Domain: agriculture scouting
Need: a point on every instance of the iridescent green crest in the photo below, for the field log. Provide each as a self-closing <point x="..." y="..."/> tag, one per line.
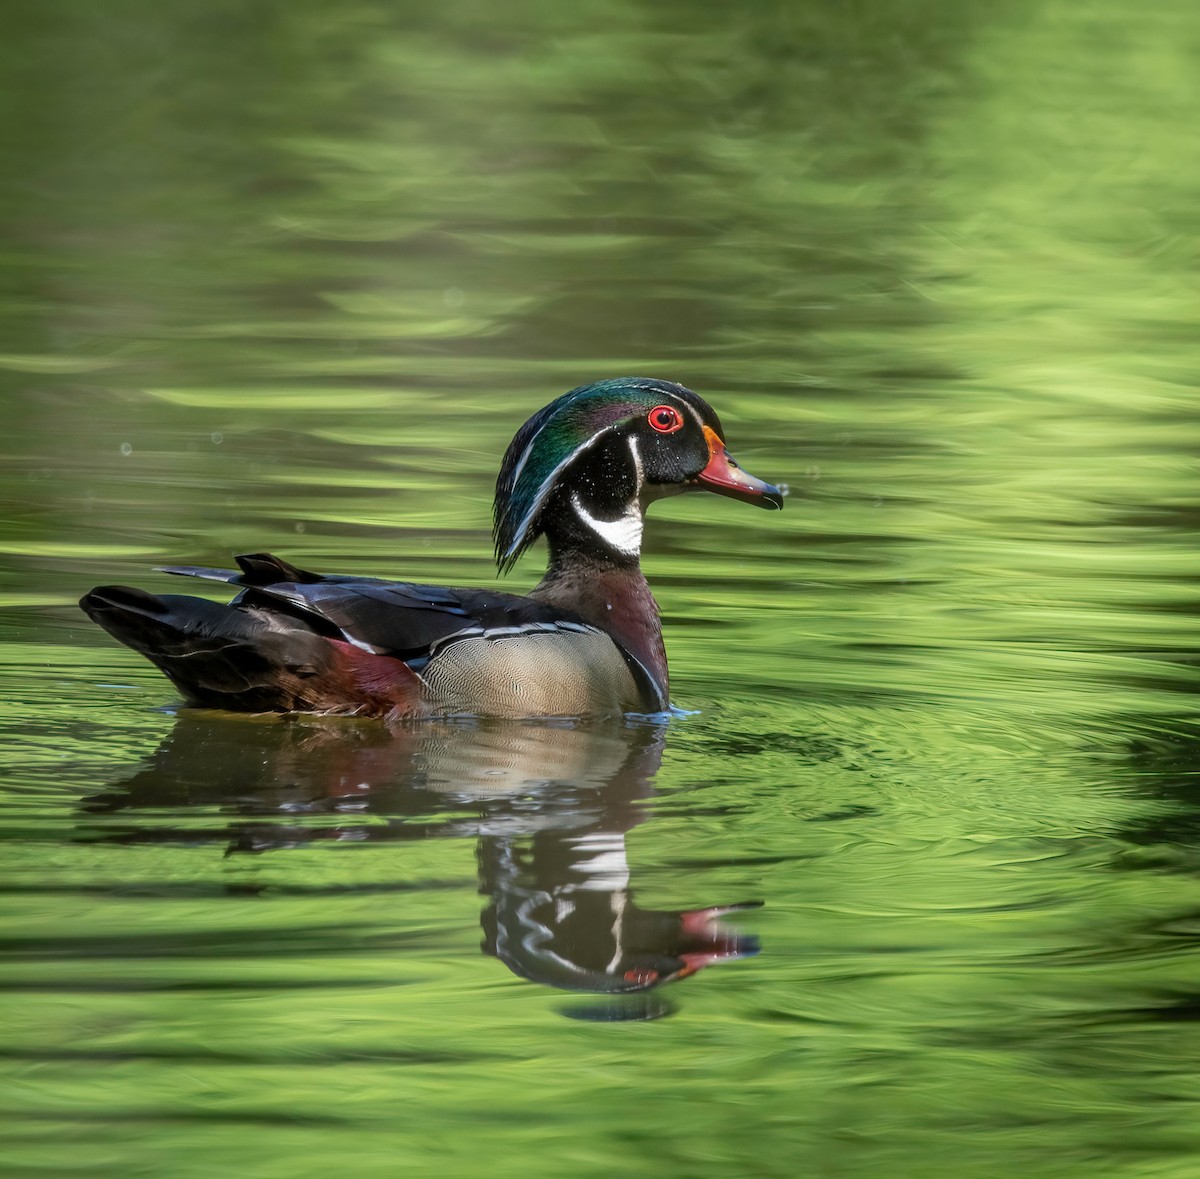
<point x="550" y="441"/>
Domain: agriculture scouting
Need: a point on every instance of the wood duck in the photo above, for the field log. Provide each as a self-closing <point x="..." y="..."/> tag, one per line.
<point x="586" y="641"/>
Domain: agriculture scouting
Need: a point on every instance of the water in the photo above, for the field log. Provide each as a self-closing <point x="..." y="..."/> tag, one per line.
<point x="289" y="276"/>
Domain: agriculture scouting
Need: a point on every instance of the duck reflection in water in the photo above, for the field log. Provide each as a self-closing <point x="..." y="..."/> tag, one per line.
<point x="549" y="805"/>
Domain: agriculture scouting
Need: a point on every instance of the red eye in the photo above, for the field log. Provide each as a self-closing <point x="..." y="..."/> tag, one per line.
<point x="665" y="419"/>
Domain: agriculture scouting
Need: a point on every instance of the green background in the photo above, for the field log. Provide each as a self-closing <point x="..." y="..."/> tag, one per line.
<point x="289" y="275"/>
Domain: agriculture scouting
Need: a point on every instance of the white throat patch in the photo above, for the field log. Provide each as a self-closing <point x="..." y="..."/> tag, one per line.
<point x="623" y="534"/>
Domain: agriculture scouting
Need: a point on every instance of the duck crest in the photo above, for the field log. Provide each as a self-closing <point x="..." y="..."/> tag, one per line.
<point x="550" y="441"/>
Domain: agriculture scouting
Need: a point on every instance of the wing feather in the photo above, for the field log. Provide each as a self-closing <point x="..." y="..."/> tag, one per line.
<point x="398" y="618"/>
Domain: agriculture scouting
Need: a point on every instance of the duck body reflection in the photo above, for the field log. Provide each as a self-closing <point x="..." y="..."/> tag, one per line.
<point x="548" y="804"/>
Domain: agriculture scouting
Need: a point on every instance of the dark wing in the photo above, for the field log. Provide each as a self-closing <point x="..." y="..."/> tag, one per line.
<point x="385" y="617"/>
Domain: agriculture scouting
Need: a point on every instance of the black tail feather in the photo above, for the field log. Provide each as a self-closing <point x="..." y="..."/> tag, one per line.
<point x="217" y="655"/>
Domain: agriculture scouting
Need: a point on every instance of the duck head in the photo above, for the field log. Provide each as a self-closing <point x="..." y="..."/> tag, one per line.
<point x="582" y="470"/>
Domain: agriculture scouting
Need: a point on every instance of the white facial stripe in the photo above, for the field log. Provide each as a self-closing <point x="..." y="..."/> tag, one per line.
<point x="636" y="450"/>
<point x="524" y="457"/>
<point x="533" y="442"/>
<point x="624" y="534"/>
<point x="548" y="483"/>
<point x="674" y="397"/>
<point x="695" y="413"/>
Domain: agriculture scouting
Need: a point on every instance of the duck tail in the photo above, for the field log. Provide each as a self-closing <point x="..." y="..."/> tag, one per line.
<point x="218" y="656"/>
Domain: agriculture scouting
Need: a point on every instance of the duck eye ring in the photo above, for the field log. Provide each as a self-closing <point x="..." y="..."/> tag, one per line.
<point x="666" y="419"/>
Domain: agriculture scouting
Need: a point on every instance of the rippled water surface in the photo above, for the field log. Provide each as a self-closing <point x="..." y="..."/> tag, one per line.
<point x="288" y="276"/>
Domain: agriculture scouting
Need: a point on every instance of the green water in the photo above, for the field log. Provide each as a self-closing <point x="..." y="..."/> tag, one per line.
<point x="288" y="276"/>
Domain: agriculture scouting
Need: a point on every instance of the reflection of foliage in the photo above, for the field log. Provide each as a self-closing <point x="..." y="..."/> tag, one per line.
<point x="625" y="178"/>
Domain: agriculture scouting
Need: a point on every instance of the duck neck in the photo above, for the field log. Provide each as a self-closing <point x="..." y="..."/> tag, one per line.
<point x="592" y="521"/>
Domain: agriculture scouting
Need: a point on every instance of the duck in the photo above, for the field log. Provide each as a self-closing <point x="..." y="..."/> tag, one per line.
<point x="585" y="642"/>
